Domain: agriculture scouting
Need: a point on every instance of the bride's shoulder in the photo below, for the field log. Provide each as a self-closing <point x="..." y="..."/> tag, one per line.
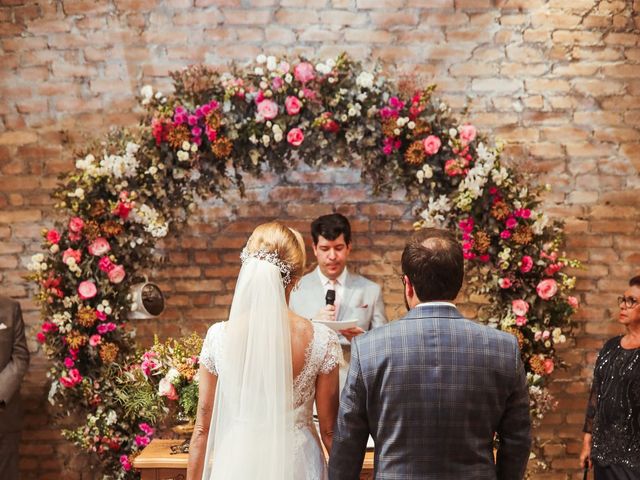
<point x="215" y="331"/>
<point x="324" y="334"/>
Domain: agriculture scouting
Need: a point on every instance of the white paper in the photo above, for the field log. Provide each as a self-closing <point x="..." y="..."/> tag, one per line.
<point x="347" y="324"/>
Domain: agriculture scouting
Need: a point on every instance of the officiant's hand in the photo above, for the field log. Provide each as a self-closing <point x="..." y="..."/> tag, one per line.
<point x="351" y="332"/>
<point x="327" y="314"/>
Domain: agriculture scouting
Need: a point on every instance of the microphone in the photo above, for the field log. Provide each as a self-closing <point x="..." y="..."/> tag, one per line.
<point x="330" y="297"/>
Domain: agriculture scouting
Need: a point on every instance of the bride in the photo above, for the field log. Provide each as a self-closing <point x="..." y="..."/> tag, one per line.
<point x="261" y="372"/>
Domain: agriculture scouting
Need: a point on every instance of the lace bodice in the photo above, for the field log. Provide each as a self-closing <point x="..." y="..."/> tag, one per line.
<point x="322" y="355"/>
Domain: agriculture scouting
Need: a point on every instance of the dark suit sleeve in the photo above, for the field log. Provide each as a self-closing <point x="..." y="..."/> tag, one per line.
<point x="514" y="431"/>
<point x="13" y="372"/>
<point x="352" y="427"/>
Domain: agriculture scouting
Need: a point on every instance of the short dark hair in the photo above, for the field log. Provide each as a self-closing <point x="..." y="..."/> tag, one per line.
<point x="331" y="227"/>
<point x="433" y="261"/>
<point x="635" y="281"/>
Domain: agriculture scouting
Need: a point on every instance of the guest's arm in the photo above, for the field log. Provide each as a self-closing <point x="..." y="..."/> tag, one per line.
<point x="514" y="430"/>
<point x="327" y="400"/>
<point x="352" y="427"/>
<point x="12" y="374"/>
<point x="198" y="445"/>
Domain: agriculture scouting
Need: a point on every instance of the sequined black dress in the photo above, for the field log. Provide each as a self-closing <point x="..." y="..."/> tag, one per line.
<point x="613" y="413"/>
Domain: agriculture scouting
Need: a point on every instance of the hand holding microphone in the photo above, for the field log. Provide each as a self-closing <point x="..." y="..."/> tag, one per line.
<point x="328" y="313"/>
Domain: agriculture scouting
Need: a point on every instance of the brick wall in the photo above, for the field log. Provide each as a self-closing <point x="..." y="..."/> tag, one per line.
<point x="558" y="80"/>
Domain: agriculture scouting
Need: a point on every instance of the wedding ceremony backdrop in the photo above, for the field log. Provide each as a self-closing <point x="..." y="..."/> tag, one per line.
<point x="528" y="94"/>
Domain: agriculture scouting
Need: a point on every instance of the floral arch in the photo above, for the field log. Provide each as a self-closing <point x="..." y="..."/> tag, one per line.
<point x="136" y="186"/>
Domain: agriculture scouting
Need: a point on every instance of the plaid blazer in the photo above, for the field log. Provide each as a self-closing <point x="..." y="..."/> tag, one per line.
<point x="432" y="389"/>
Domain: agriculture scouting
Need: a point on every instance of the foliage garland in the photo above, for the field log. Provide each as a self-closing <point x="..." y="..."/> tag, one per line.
<point x="134" y="187"/>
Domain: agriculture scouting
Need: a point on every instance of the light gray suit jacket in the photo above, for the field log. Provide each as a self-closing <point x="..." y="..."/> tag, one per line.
<point x="14" y="360"/>
<point x="362" y="301"/>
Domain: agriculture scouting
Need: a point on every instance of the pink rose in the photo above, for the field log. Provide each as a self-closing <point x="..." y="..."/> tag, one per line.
<point x="431" y="144"/>
<point x="68" y="362"/>
<point x="72" y="379"/>
<point x="293" y="105"/>
<point x="548" y="366"/>
<point x="116" y="274"/>
<point x="95" y="340"/>
<point x="573" y="302"/>
<point x="511" y="223"/>
<point x="87" y="290"/>
<point x="519" y="307"/>
<point x="505" y="283"/>
<point x="76" y="224"/>
<point x="268" y="109"/>
<point x="452" y="168"/>
<point x="53" y="236"/>
<point x="505" y="234"/>
<point x="467" y="134"/>
<point x="547" y="288"/>
<point x="41" y="337"/>
<point x="537" y="336"/>
<point x="166" y="389"/>
<point x="71" y="253"/>
<point x="105" y="264"/>
<point x="99" y="247"/>
<point x="277" y="83"/>
<point x="526" y="264"/>
<point x="295" y="137"/>
<point x="303" y="72"/>
<point x="521" y="321"/>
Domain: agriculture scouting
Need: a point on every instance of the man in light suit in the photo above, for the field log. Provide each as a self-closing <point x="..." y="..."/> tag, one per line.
<point x="14" y="360"/>
<point x="356" y="297"/>
<point x="433" y="388"/>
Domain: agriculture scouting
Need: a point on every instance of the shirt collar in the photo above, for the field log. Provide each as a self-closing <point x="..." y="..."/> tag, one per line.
<point x="435" y="304"/>
<point x="340" y="280"/>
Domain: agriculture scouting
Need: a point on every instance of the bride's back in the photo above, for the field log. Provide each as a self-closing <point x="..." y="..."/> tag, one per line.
<point x="301" y="337"/>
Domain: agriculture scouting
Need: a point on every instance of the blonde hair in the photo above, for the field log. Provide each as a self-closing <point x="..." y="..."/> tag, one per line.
<point x="286" y="242"/>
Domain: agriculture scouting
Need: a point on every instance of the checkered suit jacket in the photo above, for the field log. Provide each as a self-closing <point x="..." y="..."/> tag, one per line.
<point x="432" y="389"/>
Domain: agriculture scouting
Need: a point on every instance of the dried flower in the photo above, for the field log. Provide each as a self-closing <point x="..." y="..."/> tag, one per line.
<point x="178" y="135"/>
<point x="415" y="153"/>
<point x="108" y="352"/>
<point x="86" y="316"/>
<point x="523" y="235"/>
<point x="500" y="210"/>
<point x="111" y="228"/>
<point x="482" y="241"/>
<point x="76" y="339"/>
<point x="222" y="147"/>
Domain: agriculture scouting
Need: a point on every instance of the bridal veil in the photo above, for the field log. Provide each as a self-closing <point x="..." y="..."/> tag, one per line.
<point x="252" y="423"/>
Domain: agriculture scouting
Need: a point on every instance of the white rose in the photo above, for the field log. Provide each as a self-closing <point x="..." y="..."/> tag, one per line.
<point x="271" y="63"/>
<point x="261" y="59"/>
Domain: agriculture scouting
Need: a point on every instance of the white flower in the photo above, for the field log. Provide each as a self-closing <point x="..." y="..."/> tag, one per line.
<point x="352" y="112"/>
<point x="499" y="175"/>
<point x="260" y="59"/>
<point x="540" y="223"/>
<point x="364" y="80"/>
<point x="331" y="63"/>
<point x="253" y="139"/>
<point x="183" y="156"/>
<point x="258" y="71"/>
<point x="147" y="94"/>
<point x="428" y="171"/>
<point x="153" y="170"/>
<point x="271" y="63"/>
<point x="322" y="68"/>
<point x="411" y="125"/>
<point x="288" y="78"/>
<point x="186" y="145"/>
<point x="453" y="133"/>
<point x="172" y="375"/>
<point x="277" y="137"/>
<point x="112" y="417"/>
<point x="265" y="140"/>
<point x="420" y="176"/>
<point x="54" y="248"/>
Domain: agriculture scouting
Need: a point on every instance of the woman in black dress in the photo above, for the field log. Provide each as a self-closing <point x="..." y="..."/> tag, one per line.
<point x="611" y="442"/>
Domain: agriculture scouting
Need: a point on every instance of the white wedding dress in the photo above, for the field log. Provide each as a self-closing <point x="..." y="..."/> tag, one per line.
<point x="322" y="355"/>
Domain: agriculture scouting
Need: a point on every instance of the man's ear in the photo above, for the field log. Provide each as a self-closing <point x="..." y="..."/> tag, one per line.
<point x="408" y="288"/>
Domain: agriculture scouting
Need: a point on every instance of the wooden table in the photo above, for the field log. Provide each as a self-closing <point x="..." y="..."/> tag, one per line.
<point x="157" y="463"/>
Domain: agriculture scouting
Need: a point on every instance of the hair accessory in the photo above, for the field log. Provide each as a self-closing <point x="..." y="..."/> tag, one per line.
<point x="272" y="258"/>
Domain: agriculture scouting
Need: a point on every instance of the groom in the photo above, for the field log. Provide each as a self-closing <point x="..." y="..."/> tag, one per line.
<point x="433" y="388"/>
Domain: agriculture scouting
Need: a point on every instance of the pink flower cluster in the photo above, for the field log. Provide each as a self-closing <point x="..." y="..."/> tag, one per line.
<point x="72" y="378"/>
<point x="144" y="439"/>
<point x="466" y="225"/>
<point x="149" y="363"/>
<point x="195" y="121"/>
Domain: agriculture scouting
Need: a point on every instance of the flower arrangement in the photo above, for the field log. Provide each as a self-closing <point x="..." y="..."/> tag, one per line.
<point x="135" y="186"/>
